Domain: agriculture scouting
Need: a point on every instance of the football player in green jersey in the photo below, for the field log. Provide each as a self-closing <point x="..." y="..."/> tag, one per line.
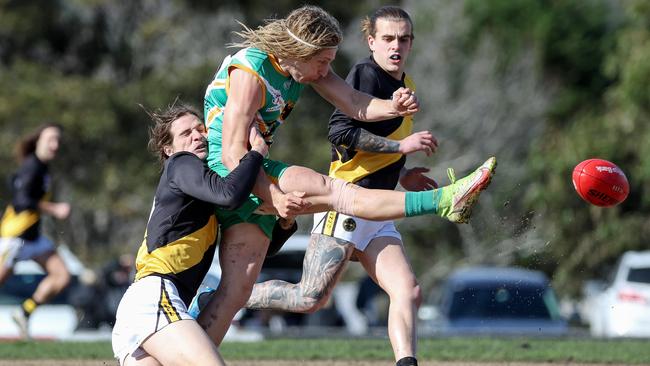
<point x="259" y="85"/>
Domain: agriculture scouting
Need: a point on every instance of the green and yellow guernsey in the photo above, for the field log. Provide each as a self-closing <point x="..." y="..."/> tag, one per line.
<point x="280" y="94"/>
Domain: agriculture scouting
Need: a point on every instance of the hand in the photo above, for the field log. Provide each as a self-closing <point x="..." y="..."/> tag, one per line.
<point x="405" y="102"/>
<point x="290" y="204"/>
<point x="414" y="180"/>
<point x="257" y="141"/>
<point x="419" y="141"/>
<point x="286" y="222"/>
<point x="61" y="210"/>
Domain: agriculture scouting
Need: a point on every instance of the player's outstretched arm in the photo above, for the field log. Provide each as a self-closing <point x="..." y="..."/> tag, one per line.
<point x="362" y="106"/>
<point x="350" y="136"/>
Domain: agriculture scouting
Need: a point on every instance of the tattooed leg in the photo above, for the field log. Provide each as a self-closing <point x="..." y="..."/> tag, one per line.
<point x="324" y="262"/>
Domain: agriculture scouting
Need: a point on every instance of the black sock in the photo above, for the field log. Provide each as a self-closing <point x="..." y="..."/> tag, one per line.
<point x="407" y="361"/>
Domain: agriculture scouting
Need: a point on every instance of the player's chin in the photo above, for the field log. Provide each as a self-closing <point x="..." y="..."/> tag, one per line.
<point x="201" y="153"/>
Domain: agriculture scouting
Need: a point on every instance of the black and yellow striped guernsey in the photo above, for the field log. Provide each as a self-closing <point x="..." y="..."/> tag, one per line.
<point x="29" y="185"/>
<point x="368" y="169"/>
<point x="181" y="234"/>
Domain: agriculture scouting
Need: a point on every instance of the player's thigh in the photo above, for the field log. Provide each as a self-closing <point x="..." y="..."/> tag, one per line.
<point x="386" y="262"/>
<point x="52" y="263"/>
<point x="5" y="273"/>
<point x="301" y="179"/>
<point x="241" y="253"/>
<point x="191" y="345"/>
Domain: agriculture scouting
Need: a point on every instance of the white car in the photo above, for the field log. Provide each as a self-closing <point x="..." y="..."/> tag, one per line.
<point x="623" y="308"/>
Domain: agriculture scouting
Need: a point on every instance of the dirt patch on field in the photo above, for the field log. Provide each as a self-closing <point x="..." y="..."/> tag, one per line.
<point x="288" y="363"/>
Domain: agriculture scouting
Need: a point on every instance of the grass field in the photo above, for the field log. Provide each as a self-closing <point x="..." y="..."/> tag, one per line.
<point x="484" y="350"/>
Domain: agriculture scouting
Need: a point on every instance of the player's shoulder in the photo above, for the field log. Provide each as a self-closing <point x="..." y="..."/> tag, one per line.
<point x="251" y="57"/>
<point x="182" y="156"/>
<point x="31" y="164"/>
<point x="366" y="65"/>
<point x="182" y="165"/>
<point x="181" y="162"/>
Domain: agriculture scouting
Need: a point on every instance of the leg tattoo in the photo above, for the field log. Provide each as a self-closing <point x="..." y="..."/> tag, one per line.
<point x="324" y="262"/>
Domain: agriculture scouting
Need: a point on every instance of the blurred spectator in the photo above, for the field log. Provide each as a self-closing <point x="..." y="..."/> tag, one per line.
<point x="118" y="274"/>
<point x="98" y="295"/>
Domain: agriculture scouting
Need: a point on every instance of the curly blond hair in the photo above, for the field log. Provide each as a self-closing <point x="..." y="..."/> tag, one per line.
<point x="300" y="35"/>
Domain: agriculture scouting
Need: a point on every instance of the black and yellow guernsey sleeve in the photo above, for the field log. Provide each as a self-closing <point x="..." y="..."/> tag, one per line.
<point x="190" y="175"/>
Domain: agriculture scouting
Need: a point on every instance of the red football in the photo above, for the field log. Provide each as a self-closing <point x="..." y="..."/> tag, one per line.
<point x="600" y="182"/>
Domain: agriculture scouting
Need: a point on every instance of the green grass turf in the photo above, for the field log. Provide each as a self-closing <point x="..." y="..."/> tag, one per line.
<point x="442" y="349"/>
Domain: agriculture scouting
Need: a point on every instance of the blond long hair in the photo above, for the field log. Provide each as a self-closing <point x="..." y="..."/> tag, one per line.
<point x="300" y="35"/>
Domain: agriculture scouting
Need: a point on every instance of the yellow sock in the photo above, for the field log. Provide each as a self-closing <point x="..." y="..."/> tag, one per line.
<point x="29" y="305"/>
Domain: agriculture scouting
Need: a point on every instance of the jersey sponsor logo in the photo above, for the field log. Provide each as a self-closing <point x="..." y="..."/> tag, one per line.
<point x="349" y="224"/>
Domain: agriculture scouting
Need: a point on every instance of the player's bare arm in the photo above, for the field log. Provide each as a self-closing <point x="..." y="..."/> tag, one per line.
<point x="373" y="143"/>
<point x="240" y="110"/>
<point x="59" y="210"/>
<point x="362" y="106"/>
<point x="323" y="264"/>
<point x="418" y="141"/>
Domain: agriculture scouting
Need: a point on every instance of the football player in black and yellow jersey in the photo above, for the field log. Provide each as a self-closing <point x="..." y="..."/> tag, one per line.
<point x="152" y="325"/>
<point x="21" y="238"/>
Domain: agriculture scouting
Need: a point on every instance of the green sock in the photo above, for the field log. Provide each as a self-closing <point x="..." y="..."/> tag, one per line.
<point x="422" y="203"/>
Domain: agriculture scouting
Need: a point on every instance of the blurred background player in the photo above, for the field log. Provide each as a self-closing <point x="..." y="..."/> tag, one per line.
<point x="20" y="231"/>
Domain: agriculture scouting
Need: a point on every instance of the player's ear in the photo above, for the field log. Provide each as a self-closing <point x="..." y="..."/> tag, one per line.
<point x="168" y="150"/>
<point x="371" y="43"/>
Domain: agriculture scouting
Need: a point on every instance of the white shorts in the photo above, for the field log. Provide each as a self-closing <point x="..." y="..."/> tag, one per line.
<point x="148" y="305"/>
<point x="13" y="250"/>
<point x="359" y="232"/>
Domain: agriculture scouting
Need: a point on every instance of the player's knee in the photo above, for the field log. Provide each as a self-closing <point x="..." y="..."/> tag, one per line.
<point x="61" y="279"/>
<point x="413" y="293"/>
<point x="342" y="196"/>
<point x="408" y="294"/>
<point x="315" y="301"/>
